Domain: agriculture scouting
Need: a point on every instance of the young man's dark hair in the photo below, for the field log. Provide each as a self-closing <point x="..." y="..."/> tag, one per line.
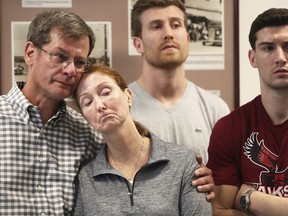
<point x="269" y="18"/>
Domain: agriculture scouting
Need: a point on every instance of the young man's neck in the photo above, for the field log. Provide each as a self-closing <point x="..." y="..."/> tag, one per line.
<point x="276" y="105"/>
<point x="167" y="86"/>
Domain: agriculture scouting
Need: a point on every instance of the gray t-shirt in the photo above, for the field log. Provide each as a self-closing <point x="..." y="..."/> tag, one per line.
<point x="189" y="122"/>
<point x="161" y="187"/>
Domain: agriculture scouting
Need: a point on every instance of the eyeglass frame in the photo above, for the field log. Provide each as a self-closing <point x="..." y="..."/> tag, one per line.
<point x="68" y="60"/>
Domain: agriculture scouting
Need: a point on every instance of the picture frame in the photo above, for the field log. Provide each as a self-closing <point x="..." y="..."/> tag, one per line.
<point x="236" y="54"/>
<point x="130" y="66"/>
<point x="206" y="30"/>
<point x="103" y="53"/>
<point x="246" y="82"/>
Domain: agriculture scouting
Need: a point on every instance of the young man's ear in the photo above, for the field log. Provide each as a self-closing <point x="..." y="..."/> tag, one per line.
<point x="252" y="59"/>
<point x="137" y="42"/>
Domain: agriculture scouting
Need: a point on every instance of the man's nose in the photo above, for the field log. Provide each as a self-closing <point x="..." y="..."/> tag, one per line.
<point x="69" y="69"/>
<point x="281" y="56"/>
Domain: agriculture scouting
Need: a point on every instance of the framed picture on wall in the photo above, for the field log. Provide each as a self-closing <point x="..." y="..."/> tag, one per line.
<point x="102" y="54"/>
<point x="19" y="67"/>
<point x="206" y="31"/>
<point x="248" y="78"/>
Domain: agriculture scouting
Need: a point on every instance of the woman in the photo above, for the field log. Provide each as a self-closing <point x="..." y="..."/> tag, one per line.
<point x="134" y="173"/>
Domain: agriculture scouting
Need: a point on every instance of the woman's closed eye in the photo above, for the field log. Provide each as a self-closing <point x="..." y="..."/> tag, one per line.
<point x="105" y="91"/>
<point x="86" y="102"/>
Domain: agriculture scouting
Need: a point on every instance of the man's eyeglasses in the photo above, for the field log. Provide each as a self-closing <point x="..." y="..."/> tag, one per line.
<point x="81" y="65"/>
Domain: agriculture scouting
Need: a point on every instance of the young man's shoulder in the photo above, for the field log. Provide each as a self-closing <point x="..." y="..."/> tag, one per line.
<point x="241" y="116"/>
<point x="172" y="150"/>
<point x="208" y="98"/>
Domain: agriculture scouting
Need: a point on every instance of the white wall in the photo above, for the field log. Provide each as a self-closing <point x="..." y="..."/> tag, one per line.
<point x="248" y="76"/>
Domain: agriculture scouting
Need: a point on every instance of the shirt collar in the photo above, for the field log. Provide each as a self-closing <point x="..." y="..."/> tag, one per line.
<point x="101" y="165"/>
<point x="22" y="106"/>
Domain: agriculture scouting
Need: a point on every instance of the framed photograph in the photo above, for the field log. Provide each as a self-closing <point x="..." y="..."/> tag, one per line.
<point x="102" y="54"/>
<point x="46" y="4"/>
<point x="19" y="34"/>
<point x="236" y="54"/>
<point x="206" y="30"/>
<point x="211" y="64"/>
<point x="248" y="78"/>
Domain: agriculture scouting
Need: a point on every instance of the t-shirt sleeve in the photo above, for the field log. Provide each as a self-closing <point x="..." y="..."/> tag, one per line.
<point x="223" y="153"/>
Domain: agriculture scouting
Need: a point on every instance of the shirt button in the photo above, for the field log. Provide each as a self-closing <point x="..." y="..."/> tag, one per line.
<point x="41" y="159"/>
<point x="40" y="188"/>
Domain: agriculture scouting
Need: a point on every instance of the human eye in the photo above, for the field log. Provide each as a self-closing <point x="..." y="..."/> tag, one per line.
<point x="80" y="63"/>
<point x="60" y="58"/>
<point x="267" y="47"/>
<point x="155" y="26"/>
<point x="176" y="24"/>
<point x="285" y="47"/>
<point x="105" y="91"/>
<point x="86" y="102"/>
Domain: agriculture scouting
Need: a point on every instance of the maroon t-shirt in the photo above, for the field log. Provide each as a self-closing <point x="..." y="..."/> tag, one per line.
<point x="245" y="147"/>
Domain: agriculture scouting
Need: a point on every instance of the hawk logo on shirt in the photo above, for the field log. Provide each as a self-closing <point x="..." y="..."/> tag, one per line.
<point x="260" y="155"/>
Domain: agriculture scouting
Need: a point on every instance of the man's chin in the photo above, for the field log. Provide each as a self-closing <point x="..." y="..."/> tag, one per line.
<point x="63" y="93"/>
<point x="169" y="63"/>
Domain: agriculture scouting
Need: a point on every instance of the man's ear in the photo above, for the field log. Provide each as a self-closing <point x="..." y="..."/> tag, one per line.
<point x="137" y="42"/>
<point x="252" y="58"/>
<point x="29" y="53"/>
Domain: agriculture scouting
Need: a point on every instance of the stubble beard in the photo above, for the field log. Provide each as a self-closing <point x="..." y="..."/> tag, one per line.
<point x="168" y="60"/>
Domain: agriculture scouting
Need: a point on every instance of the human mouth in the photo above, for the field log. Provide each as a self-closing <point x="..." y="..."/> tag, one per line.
<point x="281" y="70"/>
<point x="70" y="84"/>
<point x="169" y="46"/>
<point x="104" y="117"/>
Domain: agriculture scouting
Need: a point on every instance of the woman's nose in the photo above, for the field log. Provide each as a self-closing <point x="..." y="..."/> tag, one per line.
<point x="100" y="106"/>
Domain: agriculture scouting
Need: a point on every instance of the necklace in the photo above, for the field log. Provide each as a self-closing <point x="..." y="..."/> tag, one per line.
<point x="132" y="173"/>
